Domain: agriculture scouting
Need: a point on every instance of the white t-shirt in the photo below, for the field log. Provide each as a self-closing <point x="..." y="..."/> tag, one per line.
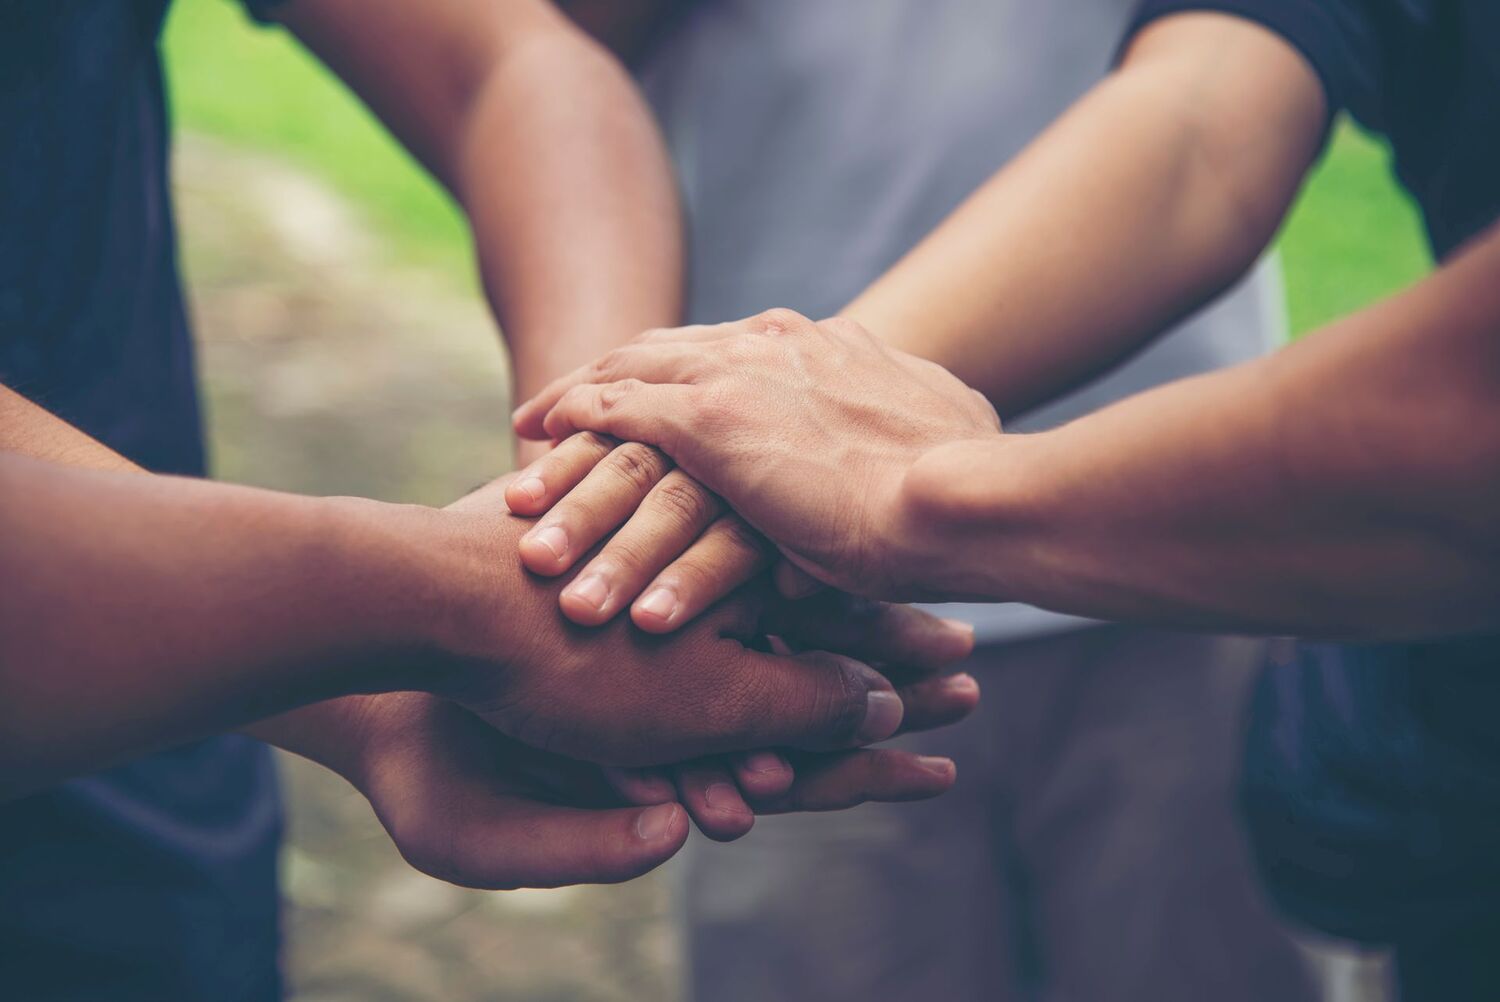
<point x="819" y="140"/>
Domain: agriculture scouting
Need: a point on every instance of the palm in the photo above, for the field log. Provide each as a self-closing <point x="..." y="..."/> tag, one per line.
<point x="467" y="804"/>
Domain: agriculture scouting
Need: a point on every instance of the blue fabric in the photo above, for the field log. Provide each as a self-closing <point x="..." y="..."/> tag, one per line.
<point x="156" y="880"/>
<point x="1372" y="774"/>
<point x="1372" y="786"/>
<point x="1426" y="73"/>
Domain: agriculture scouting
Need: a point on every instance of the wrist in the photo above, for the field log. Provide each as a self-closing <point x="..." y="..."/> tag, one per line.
<point x="975" y="506"/>
<point x="400" y="585"/>
<point x="474" y="622"/>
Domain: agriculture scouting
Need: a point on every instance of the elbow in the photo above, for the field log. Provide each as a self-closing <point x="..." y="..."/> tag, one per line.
<point x="1240" y="207"/>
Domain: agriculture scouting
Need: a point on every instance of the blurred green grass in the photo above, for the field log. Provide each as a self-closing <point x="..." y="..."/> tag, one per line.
<point x="234" y="80"/>
<point x="1352" y="237"/>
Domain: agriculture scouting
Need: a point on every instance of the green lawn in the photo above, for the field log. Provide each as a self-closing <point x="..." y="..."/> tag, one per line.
<point x="1352" y="237"/>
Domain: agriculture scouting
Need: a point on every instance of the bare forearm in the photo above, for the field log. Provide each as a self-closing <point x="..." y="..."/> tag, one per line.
<point x="328" y="731"/>
<point x="541" y="136"/>
<point x="1345" y="487"/>
<point x="1149" y="197"/>
<point x="142" y="611"/>
<point x="574" y="209"/>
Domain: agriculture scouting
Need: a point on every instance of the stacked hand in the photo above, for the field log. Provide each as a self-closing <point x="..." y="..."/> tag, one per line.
<point x="550" y="752"/>
<point x="620" y="697"/>
<point x="521" y="762"/>
<point x="469" y="805"/>
<point x="810" y="432"/>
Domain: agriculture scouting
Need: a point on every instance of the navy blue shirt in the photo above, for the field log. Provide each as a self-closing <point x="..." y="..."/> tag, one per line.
<point x="156" y="880"/>
<point x="1372" y="775"/>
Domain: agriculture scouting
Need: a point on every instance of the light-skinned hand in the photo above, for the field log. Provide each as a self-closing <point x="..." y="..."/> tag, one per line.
<point x="807" y="430"/>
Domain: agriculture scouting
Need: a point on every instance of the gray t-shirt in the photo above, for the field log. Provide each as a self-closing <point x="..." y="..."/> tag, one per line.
<point x="819" y="140"/>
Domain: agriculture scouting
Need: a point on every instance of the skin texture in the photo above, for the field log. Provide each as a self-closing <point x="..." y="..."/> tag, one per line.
<point x="539" y="134"/>
<point x="855" y="415"/>
<point x="1194" y="102"/>
<point x="257" y="602"/>
<point x="470" y="806"/>
<point x="656" y="513"/>
<point x="1286" y="496"/>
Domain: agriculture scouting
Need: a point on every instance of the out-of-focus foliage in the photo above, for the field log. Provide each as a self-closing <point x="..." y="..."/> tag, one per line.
<point x="1353" y="237"/>
<point x="234" y="80"/>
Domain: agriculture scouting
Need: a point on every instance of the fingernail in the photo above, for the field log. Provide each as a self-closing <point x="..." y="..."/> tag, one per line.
<point x="591" y="588"/>
<point x="555" y="539"/>
<point x="533" y="488"/>
<point x="959" y="626"/>
<point x="961" y="683"/>
<point x="659" y="602"/>
<point x="936" y="764"/>
<point x="722" y="797"/>
<point x="764" y="761"/>
<point x="883" y="711"/>
<point x="653" y="823"/>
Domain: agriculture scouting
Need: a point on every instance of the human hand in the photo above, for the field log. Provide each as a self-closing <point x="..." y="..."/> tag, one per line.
<point x="807" y="430"/>
<point x="619" y="697"/>
<point x="725" y="793"/>
<point x="670" y="547"/>
<point x="466" y="804"/>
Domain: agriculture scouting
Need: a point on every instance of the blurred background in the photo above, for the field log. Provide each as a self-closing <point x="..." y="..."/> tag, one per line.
<point x="345" y="348"/>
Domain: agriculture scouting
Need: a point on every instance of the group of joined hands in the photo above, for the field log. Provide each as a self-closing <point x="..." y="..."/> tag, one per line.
<point x="756" y="660"/>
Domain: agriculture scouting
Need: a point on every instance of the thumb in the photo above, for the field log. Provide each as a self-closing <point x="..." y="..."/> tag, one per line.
<point x="814" y="701"/>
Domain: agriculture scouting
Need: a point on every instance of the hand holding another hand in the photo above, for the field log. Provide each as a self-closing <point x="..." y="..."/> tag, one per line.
<point x="807" y="430"/>
<point x="466" y="804"/>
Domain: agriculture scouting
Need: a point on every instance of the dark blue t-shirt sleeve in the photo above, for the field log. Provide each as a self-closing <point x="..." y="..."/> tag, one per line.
<point x="262" y="10"/>
<point x="1340" y="39"/>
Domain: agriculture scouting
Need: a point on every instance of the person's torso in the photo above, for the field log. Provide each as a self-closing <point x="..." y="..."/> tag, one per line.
<point x="156" y="879"/>
<point x="91" y="317"/>
<point x="819" y="140"/>
<point x="1372" y="776"/>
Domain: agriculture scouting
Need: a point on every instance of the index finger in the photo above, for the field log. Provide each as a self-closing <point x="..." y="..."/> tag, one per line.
<point x="660" y="360"/>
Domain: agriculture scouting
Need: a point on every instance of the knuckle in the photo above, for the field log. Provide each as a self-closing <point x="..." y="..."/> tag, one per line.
<point x="638" y="466"/>
<point x="779" y="320"/>
<point x="594" y="442"/>
<point x="737" y="535"/>
<point x="614" y="394"/>
<point x="844" y="327"/>
<point x="840" y="697"/>
<point x="683" y="500"/>
<point x="599" y="369"/>
<point x="576" y="399"/>
<point x="715" y="408"/>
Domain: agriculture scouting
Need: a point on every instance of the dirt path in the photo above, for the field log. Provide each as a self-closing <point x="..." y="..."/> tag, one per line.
<point x="327" y="370"/>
